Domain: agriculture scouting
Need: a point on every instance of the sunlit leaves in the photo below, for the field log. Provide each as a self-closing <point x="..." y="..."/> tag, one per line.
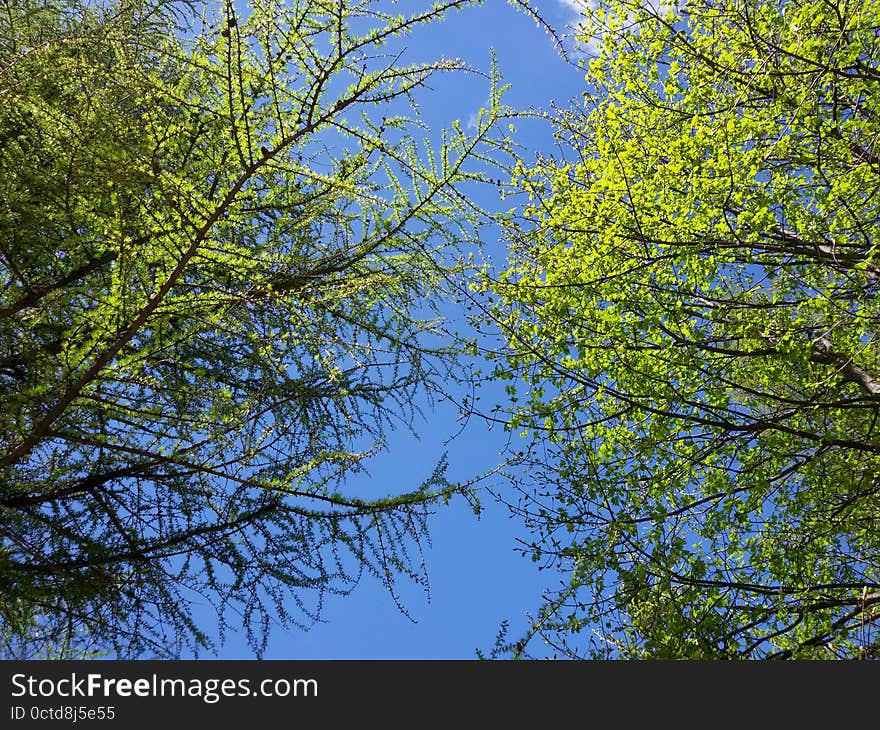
<point x="693" y="303"/>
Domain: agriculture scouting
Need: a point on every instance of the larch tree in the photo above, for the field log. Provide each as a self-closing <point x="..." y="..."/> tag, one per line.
<point x="222" y="247"/>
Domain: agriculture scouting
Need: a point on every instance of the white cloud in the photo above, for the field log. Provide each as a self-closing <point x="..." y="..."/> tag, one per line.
<point x="577" y="5"/>
<point x="576" y="11"/>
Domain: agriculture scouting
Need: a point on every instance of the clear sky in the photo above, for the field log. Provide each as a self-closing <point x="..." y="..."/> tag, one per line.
<point x="477" y="579"/>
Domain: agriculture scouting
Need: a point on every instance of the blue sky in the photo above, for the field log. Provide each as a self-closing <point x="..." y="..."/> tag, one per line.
<point x="477" y="579"/>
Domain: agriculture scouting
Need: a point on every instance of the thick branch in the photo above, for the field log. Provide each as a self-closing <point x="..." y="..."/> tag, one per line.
<point x="824" y="354"/>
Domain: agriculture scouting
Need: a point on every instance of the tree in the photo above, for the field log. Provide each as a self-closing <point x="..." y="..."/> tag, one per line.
<point x="691" y="312"/>
<point x="27" y="635"/>
<point x="222" y="248"/>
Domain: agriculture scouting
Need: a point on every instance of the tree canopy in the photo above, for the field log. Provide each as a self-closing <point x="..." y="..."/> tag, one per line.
<point x="221" y="247"/>
<point x="691" y="312"/>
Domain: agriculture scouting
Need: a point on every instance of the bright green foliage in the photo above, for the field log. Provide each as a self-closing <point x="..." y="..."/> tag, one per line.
<point x="216" y="229"/>
<point x="692" y="309"/>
